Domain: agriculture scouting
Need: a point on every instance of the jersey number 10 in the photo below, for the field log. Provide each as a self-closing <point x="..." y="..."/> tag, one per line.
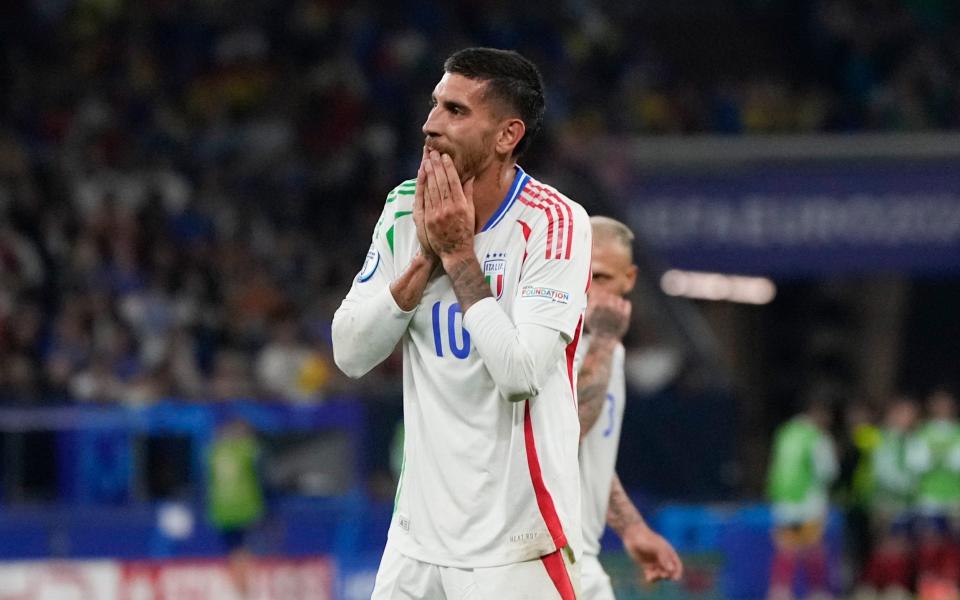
<point x="462" y="349"/>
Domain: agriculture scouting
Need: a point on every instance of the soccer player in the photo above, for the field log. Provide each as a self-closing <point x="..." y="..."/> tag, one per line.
<point x="602" y="393"/>
<point x="480" y="272"/>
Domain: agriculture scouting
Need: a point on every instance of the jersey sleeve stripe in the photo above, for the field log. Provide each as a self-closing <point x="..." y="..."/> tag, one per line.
<point x="547" y="201"/>
<point x="550" y="221"/>
<point x="560" y="223"/>
<point x="559" y="200"/>
<point x="544" y="500"/>
<point x="542" y="194"/>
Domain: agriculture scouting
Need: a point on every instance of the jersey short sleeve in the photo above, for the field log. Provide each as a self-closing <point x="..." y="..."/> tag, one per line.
<point x="554" y="277"/>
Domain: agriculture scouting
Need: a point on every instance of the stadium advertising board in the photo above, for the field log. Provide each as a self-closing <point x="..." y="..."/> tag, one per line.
<point x="269" y="579"/>
<point x="54" y="580"/>
<point x="806" y="218"/>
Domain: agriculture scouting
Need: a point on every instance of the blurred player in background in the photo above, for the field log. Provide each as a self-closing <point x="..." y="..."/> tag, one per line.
<point x="601" y="390"/>
<point x="481" y="271"/>
<point x="802" y="467"/>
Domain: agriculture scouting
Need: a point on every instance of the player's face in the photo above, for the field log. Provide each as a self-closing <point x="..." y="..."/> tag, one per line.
<point x="613" y="272"/>
<point x="462" y="124"/>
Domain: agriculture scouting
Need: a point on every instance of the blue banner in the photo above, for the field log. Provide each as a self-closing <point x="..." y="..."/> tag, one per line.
<point x="805" y="218"/>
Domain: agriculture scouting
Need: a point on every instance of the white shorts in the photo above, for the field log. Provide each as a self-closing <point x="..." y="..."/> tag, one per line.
<point x="594" y="581"/>
<point x="550" y="577"/>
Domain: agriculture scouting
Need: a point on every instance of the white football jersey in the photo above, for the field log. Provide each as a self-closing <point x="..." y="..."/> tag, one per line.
<point x="486" y="481"/>
<point x="598" y="452"/>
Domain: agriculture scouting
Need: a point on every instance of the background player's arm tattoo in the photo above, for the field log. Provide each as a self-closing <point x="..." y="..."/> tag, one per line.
<point x="594" y="379"/>
<point x="468" y="282"/>
<point x="621" y="513"/>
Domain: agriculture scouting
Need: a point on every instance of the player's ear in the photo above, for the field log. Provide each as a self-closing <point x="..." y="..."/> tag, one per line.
<point x="631" y="278"/>
<point x="510" y="134"/>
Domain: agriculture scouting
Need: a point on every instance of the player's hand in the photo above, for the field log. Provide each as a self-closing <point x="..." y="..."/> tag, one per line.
<point x="448" y="208"/>
<point x="419" y="211"/>
<point x="655" y="556"/>
<point x="607" y="314"/>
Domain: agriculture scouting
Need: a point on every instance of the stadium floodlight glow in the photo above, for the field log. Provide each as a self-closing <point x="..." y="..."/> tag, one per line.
<point x="718" y="287"/>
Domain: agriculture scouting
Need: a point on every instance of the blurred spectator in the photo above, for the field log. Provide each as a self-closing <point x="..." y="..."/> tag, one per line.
<point x="287" y="368"/>
<point x="231" y="376"/>
<point x="802" y="466"/>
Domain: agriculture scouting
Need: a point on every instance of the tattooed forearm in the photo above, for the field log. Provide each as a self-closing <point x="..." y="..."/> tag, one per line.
<point x="468" y="282"/>
<point x="408" y="289"/>
<point x="621" y="513"/>
<point x="593" y="380"/>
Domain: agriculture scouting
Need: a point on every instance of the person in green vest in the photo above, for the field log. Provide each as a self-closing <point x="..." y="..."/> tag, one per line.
<point x="803" y="464"/>
<point x="894" y="483"/>
<point x="889" y="569"/>
<point x="235" y="499"/>
<point x="934" y="456"/>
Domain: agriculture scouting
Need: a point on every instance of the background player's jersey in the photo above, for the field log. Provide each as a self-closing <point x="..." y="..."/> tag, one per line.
<point x="486" y="481"/>
<point x="598" y="452"/>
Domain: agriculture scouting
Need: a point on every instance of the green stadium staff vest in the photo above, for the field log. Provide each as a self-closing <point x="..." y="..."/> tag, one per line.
<point x="792" y="476"/>
<point x="941" y="483"/>
<point x="893" y="450"/>
<point x="235" y="496"/>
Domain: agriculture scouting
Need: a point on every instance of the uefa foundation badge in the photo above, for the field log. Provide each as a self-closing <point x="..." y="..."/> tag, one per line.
<point x="494" y="269"/>
<point x="369" y="265"/>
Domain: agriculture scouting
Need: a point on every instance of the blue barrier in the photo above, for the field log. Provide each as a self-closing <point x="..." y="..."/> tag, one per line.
<point x="342" y="527"/>
<point x="95" y="446"/>
<point x="99" y="507"/>
<point x="740" y="537"/>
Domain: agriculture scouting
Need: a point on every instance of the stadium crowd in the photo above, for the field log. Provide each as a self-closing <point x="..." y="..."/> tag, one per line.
<point x="185" y="187"/>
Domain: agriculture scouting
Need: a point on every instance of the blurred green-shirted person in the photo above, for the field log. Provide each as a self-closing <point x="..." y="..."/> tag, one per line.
<point x="235" y="501"/>
<point x="889" y="570"/>
<point x="935" y="457"/>
<point x="802" y="466"/>
<point x="894" y="483"/>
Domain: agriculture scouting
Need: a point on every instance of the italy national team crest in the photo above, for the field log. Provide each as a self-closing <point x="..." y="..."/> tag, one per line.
<point x="494" y="269"/>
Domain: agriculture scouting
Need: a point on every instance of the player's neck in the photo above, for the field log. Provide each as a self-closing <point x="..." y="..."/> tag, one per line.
<point x="489" y="189"/>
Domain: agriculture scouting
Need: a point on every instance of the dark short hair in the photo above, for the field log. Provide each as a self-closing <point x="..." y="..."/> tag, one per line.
<point x="510" y="78"/>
